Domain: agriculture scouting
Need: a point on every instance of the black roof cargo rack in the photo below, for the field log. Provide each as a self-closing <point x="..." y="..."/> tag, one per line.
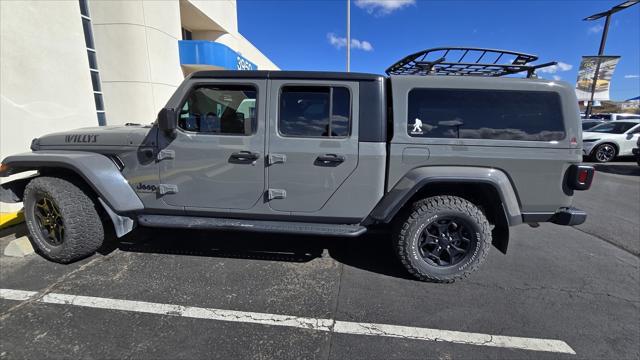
<point x="464" y="61"/>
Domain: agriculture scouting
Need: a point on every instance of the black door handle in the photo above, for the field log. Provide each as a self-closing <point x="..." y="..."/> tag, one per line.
<point x="243" y="157"/>
<point x="329" y="160"/>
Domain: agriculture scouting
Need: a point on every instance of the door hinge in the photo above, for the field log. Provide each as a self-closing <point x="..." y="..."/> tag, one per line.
<point x="166" y="154"/>
<point x="276" y="158"/>
<point x="276" y="194"/>
<point x="164" y="189"/>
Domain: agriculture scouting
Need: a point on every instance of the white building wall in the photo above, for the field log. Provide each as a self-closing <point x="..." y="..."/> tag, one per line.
<point x="45" y="84"/>
<point x="223" y="12"/>
<point x="137" y="50"/>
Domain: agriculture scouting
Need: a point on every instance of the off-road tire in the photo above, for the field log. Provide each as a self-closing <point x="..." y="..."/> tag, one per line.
<point x="414" y="220"/>
<point x="83" y="229"/>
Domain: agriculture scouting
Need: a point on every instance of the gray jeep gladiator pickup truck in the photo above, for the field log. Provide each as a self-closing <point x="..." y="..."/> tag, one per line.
<point x="447" y="155"/>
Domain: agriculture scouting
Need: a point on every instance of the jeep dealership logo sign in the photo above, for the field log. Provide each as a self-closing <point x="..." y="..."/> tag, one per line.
<point x="244" y="64"/>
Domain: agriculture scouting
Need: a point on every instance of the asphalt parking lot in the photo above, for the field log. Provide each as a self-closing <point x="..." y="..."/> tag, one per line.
<point x="189" y="294"/>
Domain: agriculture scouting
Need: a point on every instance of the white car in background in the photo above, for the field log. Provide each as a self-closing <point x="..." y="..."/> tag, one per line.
<point x="602" y="143"/>
<point x="615" y="116"/>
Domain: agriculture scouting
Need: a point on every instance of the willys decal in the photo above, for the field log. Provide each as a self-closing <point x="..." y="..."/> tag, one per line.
<point x="79" y="138"/>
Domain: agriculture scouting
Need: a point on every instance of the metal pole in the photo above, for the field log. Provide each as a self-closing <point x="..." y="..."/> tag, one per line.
<point x="348" y="35"/>
<point x="603" y="41"/>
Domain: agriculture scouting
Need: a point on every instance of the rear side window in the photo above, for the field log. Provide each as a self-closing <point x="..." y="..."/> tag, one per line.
<point x="485" y="114"/>
<point x="220" y="110"/>
<point x="315" y="111"/>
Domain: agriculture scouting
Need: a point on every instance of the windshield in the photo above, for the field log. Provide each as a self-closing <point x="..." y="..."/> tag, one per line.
<point x="586" y="125"/>
<point x="613" y="128"/>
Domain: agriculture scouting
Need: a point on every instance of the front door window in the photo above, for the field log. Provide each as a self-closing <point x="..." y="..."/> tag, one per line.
<point x="222" y="110"/>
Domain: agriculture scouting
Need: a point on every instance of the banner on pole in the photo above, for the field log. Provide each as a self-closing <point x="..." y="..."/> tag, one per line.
<point x="586" y="73"/>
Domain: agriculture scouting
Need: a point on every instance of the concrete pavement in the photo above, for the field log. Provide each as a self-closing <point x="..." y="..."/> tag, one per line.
<point x="613" y="205"/>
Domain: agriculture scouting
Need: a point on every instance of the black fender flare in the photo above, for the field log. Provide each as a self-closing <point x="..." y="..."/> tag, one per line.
<point x="415" y="180"/>
<point x="97" y="170"/>
<point x="418" y="178"/>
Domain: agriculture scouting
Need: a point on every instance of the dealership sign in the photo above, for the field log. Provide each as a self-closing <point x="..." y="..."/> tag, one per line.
<point x="586" y="73"/>
<point x="205" y="52"/>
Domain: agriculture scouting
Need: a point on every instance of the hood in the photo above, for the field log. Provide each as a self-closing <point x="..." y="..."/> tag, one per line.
<point x="125" y="135"/>
<point x="588" y="135"/>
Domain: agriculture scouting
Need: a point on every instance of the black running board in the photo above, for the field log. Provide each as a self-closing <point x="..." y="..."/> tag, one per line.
<point x="190" y="222"/>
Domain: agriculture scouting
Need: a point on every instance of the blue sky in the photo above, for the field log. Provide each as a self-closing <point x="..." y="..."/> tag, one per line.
<point x="309" y="35"/>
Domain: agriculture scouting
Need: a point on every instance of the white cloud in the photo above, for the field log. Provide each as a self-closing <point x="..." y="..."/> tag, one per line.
<point x="632" y="76"/>
<point x="595" y="29"/>
<point x="556" y="78"/>
<point x="362" y="45"/>
<point x="383" y="7"/>
<point x="340" y="42"/>
<point x="556" y="68"/>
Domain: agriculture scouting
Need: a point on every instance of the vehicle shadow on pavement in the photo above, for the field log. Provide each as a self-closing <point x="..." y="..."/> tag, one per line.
<point x="618" y="169"/>
<point x="370" y="252"/>
<point x="13" y="232"/>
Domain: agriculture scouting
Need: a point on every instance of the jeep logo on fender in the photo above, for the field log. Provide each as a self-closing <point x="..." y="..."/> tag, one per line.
<point x="146" y="188"/>
<point x="78" y="138"/>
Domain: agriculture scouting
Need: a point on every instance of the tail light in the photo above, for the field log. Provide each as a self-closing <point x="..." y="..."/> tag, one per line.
<point x="580" y="177"/>
<point x="573" y="141"/>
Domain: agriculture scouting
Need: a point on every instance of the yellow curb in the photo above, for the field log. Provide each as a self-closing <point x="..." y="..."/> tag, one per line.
<point x="11" y="218"/>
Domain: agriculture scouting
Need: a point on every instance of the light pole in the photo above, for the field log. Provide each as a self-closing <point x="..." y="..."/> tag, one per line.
<point x="603" y="41"/>
<point x="348" y="35"/>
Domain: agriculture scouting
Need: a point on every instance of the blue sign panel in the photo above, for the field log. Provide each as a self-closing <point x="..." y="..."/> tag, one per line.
<point x="205" y="52"/>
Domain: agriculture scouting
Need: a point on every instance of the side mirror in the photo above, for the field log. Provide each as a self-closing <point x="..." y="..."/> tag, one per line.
<point x="168" y="120"/>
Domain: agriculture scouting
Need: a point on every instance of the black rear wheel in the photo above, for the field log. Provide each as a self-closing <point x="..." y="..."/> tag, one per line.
<point x="442" y="238"/>
<point x="62" y="219"/>
<point x="446" y="241"/>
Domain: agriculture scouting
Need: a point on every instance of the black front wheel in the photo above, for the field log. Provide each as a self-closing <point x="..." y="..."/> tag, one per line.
<point x="62" y="219"/>
<point x="604" y="153"/>
<point x="442" y="238"/>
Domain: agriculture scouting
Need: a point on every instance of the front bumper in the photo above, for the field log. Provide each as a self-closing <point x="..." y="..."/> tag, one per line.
<point x="587" y="147"/>
<point x="569" y="216"/>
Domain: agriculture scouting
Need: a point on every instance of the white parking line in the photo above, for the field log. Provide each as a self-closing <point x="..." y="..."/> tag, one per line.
<point x="19" y="295"/>
<point x="336" y="326"/>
